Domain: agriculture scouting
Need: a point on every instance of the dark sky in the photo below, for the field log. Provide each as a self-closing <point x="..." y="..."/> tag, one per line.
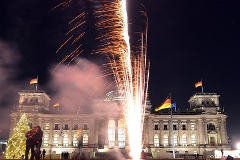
<point x="187" y="41"/>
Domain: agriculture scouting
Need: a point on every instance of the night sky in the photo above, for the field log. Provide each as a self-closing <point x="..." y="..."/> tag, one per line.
<point x="187" y="41"/>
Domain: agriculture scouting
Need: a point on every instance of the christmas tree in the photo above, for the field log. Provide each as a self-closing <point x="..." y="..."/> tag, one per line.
<point x="16" y="145"/>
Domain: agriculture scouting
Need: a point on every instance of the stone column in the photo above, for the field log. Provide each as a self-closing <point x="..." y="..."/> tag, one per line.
<point x="218" y="129"/>
<point x="179" y="131"/>
<point x="105" y="131"/>
<point x="189" y="132"/>
<point x="61" y="128"/>
<point x="223" y="131"/>
<point x="146" y="132"/>
<point x="71" y="133"/>
<point x="96" y="130"/>
<point x="51" y="121"/>
<point x="160" y="132"/>
<point x="205" y="136"/>
<point x="200" y="132"/>
<point x="116" y="134"/>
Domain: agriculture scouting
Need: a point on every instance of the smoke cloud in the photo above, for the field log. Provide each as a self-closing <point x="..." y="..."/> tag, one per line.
<point x="78" y="86"/>
<point x="9" y="58"/>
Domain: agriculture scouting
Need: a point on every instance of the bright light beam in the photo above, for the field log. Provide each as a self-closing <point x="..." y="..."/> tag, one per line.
<point x="131" y="70"/>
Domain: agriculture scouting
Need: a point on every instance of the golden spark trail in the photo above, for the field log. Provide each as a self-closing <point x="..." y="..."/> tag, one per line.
<point x="78" y="21"/>
<point x="129" y="69"/>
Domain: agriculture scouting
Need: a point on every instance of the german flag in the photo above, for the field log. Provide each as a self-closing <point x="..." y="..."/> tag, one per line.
<point x="34" y="81"/>
<point x="56" y="105"/>
<point x="166" y="104"/>
<point x="198" y="84"/>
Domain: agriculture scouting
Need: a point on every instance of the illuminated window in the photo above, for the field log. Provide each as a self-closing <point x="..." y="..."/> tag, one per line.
<point x="193" y="140"/>
<point x="55" y="140"/>
<point x="65" y="140"/>
<point x="175" y="140"/>
<point x="184" y="140"/>
<point x="46" y="126"/>
<point x="156" y="140"/>
<point x="193" y="127"/>
<point x="85" y="139"/>
<point x="45" y="140"/>
<point x="121" y="134"/>
<point x="111" y="133"/>
<point x="165" y="140"/>
<point x="75" y="140"/>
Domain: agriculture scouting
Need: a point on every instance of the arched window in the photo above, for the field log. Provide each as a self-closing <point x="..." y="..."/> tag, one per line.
<point x="165" y="140"/>
<point x="156" y="140"/>
<point x="211" y="127"/>
<point x="45" y="140"/>
<point x="55" y="140"/>
<point x="175" y="140"/>
<point x="121" y="134"/>
<point x="85" y="126"/>
<point x="193" y="139"/>
<point x="65" y="140"/>
<point x="75" y="140"/>
<point x="184" y="140"/>
<point x="111" y="133"/>
<point x="85" y="139"/>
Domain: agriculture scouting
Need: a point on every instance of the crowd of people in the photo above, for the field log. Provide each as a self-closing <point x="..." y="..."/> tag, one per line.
<point x="33" y="143"/>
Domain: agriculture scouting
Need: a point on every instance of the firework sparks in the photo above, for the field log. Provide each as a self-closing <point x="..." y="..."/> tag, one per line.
<point x="131" y="70"/>
<point x="74" y="34"/>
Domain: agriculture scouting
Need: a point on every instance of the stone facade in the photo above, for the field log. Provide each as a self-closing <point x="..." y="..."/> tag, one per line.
<point x="200" y="130"/>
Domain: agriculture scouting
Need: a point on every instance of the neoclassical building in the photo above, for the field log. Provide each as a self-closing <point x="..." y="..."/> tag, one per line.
<point x="199" y="130"/>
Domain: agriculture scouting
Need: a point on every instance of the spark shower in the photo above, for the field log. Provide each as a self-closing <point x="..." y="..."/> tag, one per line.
<point x="129" y="68"/>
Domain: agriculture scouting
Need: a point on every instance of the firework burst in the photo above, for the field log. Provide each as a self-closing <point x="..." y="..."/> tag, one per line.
<point x="130" y="69"/>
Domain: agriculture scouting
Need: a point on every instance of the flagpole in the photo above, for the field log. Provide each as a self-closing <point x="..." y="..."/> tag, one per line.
<point x="62" y="142"/>
<point x="202" y="86"/>
<point x="172" y="131"/>
<point x="37" y="83"/>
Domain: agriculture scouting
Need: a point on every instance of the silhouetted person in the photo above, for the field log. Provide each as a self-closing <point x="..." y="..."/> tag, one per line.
<point x="223" y="157"/>
<point x="30" y="143"/>
<point x="143" y="155"/>
<point x="229" y="157"/>
<point x="38" y="141"/>
<point x="43" y="153"/>
<point x="66" y="155"/>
